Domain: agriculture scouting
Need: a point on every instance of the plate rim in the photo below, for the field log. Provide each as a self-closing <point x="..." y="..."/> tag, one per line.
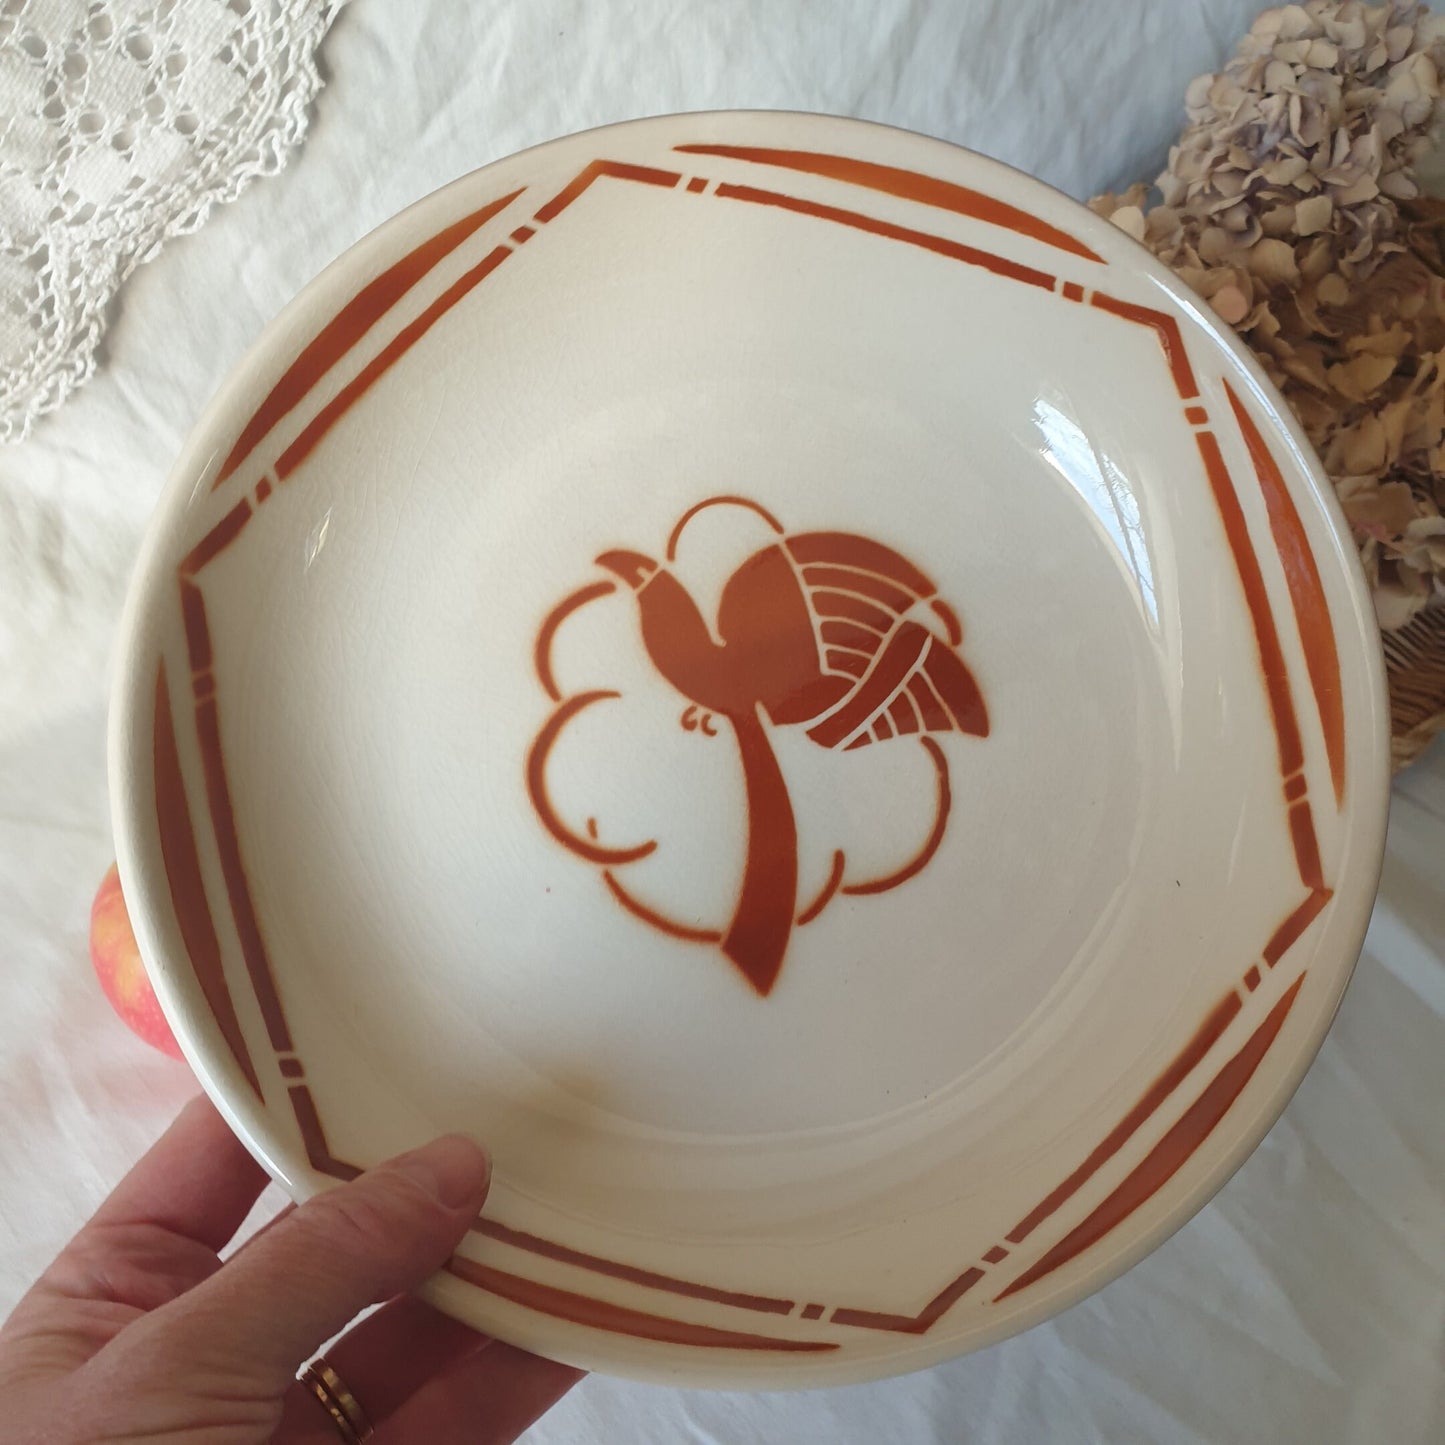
<point x="130" y="709"/>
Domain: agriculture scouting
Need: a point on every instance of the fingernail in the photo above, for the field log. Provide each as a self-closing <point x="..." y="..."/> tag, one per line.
<point x="452" y="1169"/>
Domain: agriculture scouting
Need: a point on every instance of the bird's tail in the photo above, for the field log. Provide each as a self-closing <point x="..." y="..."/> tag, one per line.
<point x="757" y="939"/>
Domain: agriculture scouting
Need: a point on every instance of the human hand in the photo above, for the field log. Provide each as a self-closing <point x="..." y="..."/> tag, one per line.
<point x="138" y="1332"/>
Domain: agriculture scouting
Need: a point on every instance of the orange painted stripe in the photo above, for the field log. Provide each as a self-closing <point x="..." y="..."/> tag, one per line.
<point x="1293" y="926"/>
<point x="349" y="325"/>
<point x="535" y="1244"/>
<point x="536" y="775"/>
<point x="1306" y="590"/>
<point x="617" y="1319"/>
<point x="1271" y="655"/>
<point x="542" y="652"/>
<point x="931" y="844"/>
<point x="1167" y="330"/>
<point x="1170" y="1154"/>
<point x="917" y="1324"/>
<point x="217" y="539"/>
<point x="238" y="891"/>
<point x="721" y="501"/>
<point x="663" y="924"/>
<point x="825" y="894"/>
<point x="560" y="1302"/>
<point x="313" y="1136"/>
<point x="188" y="892"/>
<point x="383" y="361"/>
<point x="949" y="618"/>
<point x="970" y="255"/>
<point x="1306" y="845"/>
<point x="1183" y="1063"/>
<point x="909" y="186"/>
<point x="198" y="632"/>
<point x="619" y="170"/>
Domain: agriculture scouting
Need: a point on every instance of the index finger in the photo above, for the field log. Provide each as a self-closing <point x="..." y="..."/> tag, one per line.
<point x="197" y="1181"/>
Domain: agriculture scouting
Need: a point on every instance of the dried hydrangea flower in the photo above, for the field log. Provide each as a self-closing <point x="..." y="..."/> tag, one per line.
<point x="1292" y="204"/>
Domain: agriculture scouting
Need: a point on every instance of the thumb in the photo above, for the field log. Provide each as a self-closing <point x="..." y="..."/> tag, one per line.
<point x="271" y="1307"/>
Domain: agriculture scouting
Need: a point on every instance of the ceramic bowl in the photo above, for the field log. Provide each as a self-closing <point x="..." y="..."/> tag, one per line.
<point x="795" y="684"/>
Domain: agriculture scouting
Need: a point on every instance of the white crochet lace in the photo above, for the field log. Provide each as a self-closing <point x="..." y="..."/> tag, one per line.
<point x="121" y="124"/>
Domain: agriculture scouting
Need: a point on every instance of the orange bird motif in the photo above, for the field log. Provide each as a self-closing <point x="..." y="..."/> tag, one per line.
<point x="822" y="631"/>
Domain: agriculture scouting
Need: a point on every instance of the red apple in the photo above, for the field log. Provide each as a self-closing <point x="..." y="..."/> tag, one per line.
<point x="122" y="975"/>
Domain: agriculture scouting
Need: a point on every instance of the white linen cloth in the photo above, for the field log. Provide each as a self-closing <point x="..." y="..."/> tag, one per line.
<point x="1305" y="1304"/>
<point x="121" y="125"/>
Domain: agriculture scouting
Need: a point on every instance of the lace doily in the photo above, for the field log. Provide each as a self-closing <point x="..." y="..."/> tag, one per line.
<point x="122" y="124"/>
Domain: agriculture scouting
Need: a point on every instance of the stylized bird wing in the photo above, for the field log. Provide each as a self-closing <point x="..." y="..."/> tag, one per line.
<point x="903" y="677"/>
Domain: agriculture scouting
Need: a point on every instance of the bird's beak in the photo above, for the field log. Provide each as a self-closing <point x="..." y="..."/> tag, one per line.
<point x="632" y="567"/>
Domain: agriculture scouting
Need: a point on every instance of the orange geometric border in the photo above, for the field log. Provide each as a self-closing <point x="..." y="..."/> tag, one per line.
<point x="1307" y="593"/>
<point x="908" y="186"/>
<point x="337" y="339"/>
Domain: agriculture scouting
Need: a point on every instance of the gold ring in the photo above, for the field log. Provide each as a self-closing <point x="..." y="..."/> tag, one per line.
<point x="339" y="1403"/>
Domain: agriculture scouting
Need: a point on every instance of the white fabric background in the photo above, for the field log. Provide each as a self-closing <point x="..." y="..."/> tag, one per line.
<point x="1307" y="1303"/>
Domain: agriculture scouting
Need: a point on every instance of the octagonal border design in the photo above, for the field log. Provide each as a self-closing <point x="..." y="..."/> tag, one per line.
<point x="330" y="347"/>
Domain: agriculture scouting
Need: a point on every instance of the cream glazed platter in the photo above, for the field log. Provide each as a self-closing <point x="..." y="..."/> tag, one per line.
<point x="798" y="687"/>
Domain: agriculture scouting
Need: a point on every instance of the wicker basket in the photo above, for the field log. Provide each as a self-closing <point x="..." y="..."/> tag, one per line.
<point x="1415" y="663"/>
